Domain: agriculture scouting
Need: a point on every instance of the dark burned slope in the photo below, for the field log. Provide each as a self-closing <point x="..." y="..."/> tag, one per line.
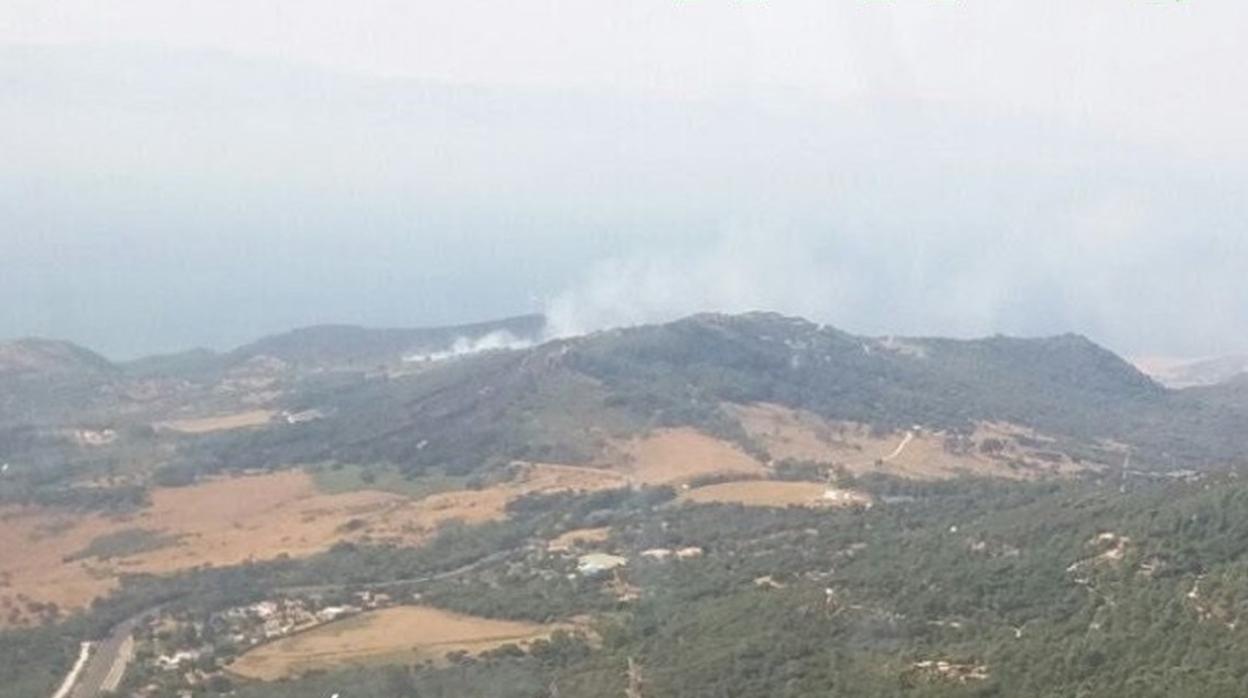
<point x="558" y="401"/>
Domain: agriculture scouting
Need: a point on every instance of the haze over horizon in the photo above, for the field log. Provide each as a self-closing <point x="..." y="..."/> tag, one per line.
<point x="206" y="174"/>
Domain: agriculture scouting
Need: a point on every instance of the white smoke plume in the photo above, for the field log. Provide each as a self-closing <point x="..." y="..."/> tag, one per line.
<point x="742" y="271"/>
<point x="501" y="340"/>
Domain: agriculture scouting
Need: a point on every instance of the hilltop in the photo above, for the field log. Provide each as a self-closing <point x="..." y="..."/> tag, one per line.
<point x="465" y="397"/>
<point x="42" y="379"/>
<point x="354" y="346"/>
<point x="577" y="400"/>
<point x="33" y="356"/>
<point x="52" y="382"/>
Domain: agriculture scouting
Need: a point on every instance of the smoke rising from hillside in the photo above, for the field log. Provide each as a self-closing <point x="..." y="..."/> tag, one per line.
<point x="910" y="168"/>
<point x="1112" y="262"/>
<point x="743" y="271"/>
<point x="463" y="346"/>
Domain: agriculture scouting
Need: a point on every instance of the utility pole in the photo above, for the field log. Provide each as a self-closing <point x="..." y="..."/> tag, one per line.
<point x="634" y="680"/>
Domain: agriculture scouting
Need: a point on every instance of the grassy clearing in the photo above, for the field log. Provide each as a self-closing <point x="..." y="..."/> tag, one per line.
<point x="407" y="634"/>
<point x="224" y="422"/>
<point x="219" y="522"/>
<point x="680" y="456"/>
<point x="773" y="493"/>
<point x="358" y="478"/>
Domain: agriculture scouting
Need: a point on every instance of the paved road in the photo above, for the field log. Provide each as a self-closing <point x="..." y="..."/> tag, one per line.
<point x="481" y="562"/>
<point x="109" y="658"/>
<point x="71" y="679"/>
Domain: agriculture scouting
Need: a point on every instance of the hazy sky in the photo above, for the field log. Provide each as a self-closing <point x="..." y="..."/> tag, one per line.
<point x="198" y="173"/>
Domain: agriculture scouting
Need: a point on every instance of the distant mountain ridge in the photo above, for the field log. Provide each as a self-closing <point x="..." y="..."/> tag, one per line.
<point x="321" y="345"/>
<point x="49" y="356"/>
<point x="558" y="401"/>
<point x="389" y="398"/>
<point x="47" y="381"/>
<point x="352" y="344"/>
<point x="41" y="379"/>
<point x="1189" y="373"/>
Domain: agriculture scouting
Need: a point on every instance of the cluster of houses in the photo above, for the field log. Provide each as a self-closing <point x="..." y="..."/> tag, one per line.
<point x="269" y="620"/>
<point x="172" y="648"/>
<point x="191" y="653"/>
<point x="600" y="565"/>
<point x="595" y="564"/>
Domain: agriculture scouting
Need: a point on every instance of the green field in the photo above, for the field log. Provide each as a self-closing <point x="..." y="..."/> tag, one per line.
<point x="131" y="541"/>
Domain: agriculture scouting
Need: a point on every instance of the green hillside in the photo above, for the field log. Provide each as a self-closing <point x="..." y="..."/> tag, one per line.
<point x="557" y="401"/>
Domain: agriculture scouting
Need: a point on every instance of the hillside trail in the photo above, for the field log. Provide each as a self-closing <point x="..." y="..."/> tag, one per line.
<point x="901" y="447"/>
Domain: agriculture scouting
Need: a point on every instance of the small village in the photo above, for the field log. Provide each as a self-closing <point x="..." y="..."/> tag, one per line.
<point x="175" y="653"/>
<point x="183" y="654"/>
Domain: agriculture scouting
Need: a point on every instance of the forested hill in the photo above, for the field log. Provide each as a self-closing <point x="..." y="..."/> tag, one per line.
<point x="461" y="398"/>
<point x="934" y="382"/>
<point x="1039" y="563"/>
<point x="1231" y="393"/>
<point x="546" y="402"/>
<point x="39" y="377"/>
<point x="50" y="383"/>
<point x="1065" y="385"/>
<point x="47" y="357"/>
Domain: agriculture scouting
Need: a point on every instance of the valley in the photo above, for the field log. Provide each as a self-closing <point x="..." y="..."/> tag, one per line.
<point x="664" y="349"/>
<point x="504" y="522"/>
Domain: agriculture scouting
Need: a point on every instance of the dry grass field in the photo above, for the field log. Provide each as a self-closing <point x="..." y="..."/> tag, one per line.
<point x="787" y="433"/>
<point x="677" y="456"/>
<point x="219" y="522"/>
<point x="224" y="422"/>
<point x="416" y="520"/>
<point x="771" y="493"/>
<point x="578" y="538"/>
<point x="228" y="521"/>
<point x="407" y="634"/>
